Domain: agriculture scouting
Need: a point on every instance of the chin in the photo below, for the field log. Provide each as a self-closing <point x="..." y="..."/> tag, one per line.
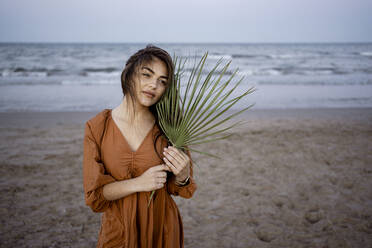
<point x="147" y="103"/>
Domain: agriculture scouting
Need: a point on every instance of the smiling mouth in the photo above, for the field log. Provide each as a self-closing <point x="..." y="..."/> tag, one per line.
<point x="148" y="94"/>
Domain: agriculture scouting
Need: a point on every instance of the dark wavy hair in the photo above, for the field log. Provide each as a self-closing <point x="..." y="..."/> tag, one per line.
<point x="142" y="57"/>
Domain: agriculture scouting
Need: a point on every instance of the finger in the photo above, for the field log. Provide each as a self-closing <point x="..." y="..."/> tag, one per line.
<point x="162" y="180"/>
<point x="161" y="175"/>
<point x="161" y="167"/>
<point x="172" y="159"/>
<point x="179" y="162"/>
<point x="166" y="168"/>
<point x="184" y="155"/>
<point x="171" y="166"/>
<point x="175" y="153"/>
<point x="157" y="167"/>
<point x="178" y="151"/>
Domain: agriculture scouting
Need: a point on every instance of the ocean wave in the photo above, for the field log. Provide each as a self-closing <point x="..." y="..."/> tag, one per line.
<point x="101" y="74"/>
<point x="261" y="72"/>
<point x="286" y="56"/>
<point x="30" y="83"/>
<point x="81" y="81"/>
<point x="303" y="71"/>
<point x="217" y="56"/>
<point x="366" y="53"/>
<point x="350" y="99"/>
<point x="104" y="69"/>
<point x="205" y="72"/>
<point x="249" y="56"/>
<point x="364" y="70"/>
<point x="95" y="82"/>
<point x="323" y="53"/>
<point x="45" y="72"/>
<point x="280" y="56"/>
<point x="314" y="83"/>
<point x="33" y="72"/>
<point x="212" y="56"/>
<point x="307" y="71"/>
<point x="315" y="71"/>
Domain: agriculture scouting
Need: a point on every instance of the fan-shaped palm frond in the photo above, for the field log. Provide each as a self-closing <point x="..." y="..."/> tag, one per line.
<point x="197" y="116"/>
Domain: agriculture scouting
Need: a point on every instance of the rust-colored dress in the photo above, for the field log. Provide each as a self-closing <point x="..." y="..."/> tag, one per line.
<point x="129" y="222"/>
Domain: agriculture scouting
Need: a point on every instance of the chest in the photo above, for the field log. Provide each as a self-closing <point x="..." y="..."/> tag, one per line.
<point x="130" y="155"/>
<point x="133" y="134"/>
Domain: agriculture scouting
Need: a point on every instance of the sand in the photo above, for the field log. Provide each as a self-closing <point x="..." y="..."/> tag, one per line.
<point x="288" y="178"/>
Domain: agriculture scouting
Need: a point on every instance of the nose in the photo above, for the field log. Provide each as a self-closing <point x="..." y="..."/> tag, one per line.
<point x="153" y="83"/>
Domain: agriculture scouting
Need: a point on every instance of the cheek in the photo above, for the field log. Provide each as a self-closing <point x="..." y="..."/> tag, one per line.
<point x="161" y="91"/>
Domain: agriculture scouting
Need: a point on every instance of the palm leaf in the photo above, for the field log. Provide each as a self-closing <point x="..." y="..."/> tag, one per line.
<point x="197" y="116"/>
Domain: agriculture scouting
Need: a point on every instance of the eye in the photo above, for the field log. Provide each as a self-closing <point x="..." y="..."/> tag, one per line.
<point x="146" y="74"/>
<point x="163" y="82"/>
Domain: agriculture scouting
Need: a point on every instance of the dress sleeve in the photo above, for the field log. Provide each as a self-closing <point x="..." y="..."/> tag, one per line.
<point x="94" y="174"/>
<point x="185" y="191"/>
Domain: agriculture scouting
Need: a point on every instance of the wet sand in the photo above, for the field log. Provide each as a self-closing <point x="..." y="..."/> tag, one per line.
<point x="288" y="178"/>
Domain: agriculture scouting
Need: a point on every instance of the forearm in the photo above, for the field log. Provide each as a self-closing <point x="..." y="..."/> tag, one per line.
<point x="120" y="189"/>
<point x="152" y="179"/>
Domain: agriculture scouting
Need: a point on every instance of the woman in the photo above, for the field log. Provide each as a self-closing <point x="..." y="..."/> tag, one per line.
<point x="126" y="158"/>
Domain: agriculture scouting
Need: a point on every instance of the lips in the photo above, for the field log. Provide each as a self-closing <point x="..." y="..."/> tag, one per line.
<point x="148" y="94"/>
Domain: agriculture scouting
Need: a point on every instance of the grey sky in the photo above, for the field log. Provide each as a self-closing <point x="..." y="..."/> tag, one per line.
<point x="185" y="20"/>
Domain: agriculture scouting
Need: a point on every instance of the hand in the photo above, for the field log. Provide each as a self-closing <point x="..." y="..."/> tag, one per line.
<point x="178" y="162"/>
<point x="153" y="178"/>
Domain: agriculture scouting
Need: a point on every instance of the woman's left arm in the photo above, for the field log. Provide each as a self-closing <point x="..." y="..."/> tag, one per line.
<point x="180" y="164"/>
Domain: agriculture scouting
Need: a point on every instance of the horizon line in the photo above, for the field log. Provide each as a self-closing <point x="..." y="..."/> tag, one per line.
<point x="144" y="42"/>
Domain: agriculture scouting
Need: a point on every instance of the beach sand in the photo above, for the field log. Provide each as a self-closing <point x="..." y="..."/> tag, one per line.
<point x="288" y="178"/>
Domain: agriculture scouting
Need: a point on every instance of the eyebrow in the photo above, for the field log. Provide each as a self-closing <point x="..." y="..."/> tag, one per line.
<point x="144" y="67"/>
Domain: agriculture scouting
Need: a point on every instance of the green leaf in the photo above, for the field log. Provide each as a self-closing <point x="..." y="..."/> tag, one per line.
<point x="197" y="116"/>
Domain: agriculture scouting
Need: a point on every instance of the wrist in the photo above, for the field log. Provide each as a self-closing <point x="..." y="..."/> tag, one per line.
<point x="182" y="182"/>
<point x="136" y="185"/>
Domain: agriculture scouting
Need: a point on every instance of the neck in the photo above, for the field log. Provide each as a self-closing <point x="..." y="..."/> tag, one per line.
<point x="133" y="113"/>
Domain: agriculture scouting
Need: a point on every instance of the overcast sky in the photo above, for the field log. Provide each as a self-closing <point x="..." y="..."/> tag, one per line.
<point x="185" y="21"/>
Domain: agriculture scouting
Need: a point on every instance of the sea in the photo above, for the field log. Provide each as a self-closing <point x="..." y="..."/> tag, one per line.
<point x="49" y="77"/>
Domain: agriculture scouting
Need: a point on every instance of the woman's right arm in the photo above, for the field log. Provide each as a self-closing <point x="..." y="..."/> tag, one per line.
<point x="152" y="179"/>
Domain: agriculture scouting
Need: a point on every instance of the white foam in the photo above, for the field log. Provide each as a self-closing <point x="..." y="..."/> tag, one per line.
<point x="104" y="74"/>
<point x="271" y="72"/>
<point x="93" y="82"/>
<point x="6" y="73"/>
<point x="285" y="56"/>
<point x="37" y="74"/>
<point x="368" y="54"/>
<point x="220" y="56"/>
<point x="260" y="72"/>
<point x="246" y="73"/>
<point x="294" y="55"/>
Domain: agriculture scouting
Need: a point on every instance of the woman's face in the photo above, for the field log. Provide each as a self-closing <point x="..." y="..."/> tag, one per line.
<point x="151" y="82"/>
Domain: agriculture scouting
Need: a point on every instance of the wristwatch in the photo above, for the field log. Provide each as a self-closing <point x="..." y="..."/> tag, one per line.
<point x="184" y="182"/>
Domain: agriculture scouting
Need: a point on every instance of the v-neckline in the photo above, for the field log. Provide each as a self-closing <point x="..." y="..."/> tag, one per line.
<point x="125" y="140"/>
